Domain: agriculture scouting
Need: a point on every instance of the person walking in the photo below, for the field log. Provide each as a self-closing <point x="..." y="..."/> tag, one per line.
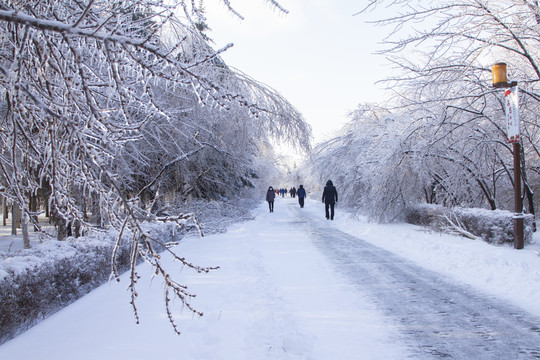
<point x="301" y="192"/>
<point x="292" y="191"/>
<point x="329" y="198"/>
<point x="270" y="196"/>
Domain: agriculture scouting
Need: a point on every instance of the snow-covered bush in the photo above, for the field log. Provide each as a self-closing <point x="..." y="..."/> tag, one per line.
<point x="36" y="283"/>
<point x="493" y="226"/>
<point x="216" y="216"/>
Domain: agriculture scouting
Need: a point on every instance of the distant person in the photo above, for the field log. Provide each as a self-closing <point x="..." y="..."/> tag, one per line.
<point x="270" y="196"/>
<point x="329" y="198"/>
<point x="301" y="192"/>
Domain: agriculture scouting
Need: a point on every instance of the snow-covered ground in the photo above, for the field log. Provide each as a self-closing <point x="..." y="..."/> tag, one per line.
<point x="276" y="296"/>
<point x="10" y="242"/>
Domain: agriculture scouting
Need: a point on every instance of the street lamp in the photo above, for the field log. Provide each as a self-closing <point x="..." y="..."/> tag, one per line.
<point x="500" y="80"/>
<point x="498" y="72"/>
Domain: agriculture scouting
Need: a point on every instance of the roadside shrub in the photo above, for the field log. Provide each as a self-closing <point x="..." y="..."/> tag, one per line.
<point x="36" y="283"/>
<point x="493" y="226"/>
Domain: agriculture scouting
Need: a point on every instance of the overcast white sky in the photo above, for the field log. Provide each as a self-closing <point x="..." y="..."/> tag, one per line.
<point x="319" y="56"/>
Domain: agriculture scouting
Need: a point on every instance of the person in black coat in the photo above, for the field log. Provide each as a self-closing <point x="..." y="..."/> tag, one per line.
<point x="301" y="195"/>
<point x="270" y="196"/>
<point x="329" y="198"/>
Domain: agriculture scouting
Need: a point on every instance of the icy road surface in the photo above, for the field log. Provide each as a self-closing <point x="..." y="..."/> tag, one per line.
<point x="437" y="317"/>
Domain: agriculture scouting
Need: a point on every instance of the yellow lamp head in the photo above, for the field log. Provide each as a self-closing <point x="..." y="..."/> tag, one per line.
<point x="498" y="73"/>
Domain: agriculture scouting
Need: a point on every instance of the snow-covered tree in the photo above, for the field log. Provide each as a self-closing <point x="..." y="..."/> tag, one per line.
<point x="101" y="101"/>
<point x="449" y="134"/>
<point x="374" y="175"/>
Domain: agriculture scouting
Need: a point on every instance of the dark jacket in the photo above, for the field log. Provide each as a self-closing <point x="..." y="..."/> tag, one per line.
<point x="329" y="195"/>
<point x="301" y="192"/>
<point x="270" y="195"/>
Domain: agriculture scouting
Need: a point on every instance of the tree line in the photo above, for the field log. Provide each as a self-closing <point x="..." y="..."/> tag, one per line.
<point x="441" y="138"/>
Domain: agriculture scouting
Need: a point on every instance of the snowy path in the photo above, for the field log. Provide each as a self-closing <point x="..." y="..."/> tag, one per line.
<point x="441" y="319"/>
<point x="292" y="286"/>
<point x="275" y="297"/>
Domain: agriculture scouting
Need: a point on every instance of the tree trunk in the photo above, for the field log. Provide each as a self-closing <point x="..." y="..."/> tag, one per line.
<point x="530" y="195"/>
<point x="76" y="228"/>
<point x="4" y="211"/>
<point x="96" y="212"/>
<point x="47" y="210"/>
<point x="526" y="188"/>
<point x="14" y="216"/>
<point x="18" y="218"/>
<point x="84" y="208"/>
<point x="24" y="230"/>
<point x="34" y="209"/>
<point x="62" y="229"/>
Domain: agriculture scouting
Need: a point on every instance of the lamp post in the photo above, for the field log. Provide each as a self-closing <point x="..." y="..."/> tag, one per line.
<point x="500" y="80"/>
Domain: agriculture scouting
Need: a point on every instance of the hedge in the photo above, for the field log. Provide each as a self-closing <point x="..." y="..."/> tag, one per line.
<point x="36" y="283"/>
<point x="493" y="226"/>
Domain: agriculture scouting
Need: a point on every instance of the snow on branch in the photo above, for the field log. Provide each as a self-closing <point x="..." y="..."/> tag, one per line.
<point x="454" y="226"/>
